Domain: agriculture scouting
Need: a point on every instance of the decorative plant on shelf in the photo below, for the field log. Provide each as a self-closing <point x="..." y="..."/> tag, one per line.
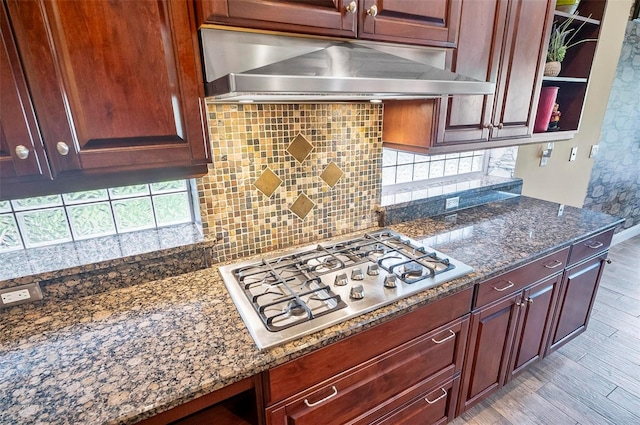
<point x="561" y="40"/>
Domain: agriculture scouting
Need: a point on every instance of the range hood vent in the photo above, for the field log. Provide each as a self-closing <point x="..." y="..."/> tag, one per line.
<point x="251" y="67"/>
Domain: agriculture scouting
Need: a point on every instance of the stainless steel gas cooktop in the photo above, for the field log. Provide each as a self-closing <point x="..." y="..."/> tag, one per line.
<point x="285" y="297"/>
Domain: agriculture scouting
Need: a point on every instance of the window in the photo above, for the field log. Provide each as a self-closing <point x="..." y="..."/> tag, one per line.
<point x="403" y="167"/>
<point x="47" y="220"/>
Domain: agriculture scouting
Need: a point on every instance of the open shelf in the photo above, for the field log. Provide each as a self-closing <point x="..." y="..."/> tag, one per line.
<point x="564" y="80"/>
<point x="577" y="18"/>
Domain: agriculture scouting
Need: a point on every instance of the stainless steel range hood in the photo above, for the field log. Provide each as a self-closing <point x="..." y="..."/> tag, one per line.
<point x="246" y="67"/>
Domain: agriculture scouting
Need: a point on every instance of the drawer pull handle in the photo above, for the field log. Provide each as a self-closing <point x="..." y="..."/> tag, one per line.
<point x="510" y="285"/>
<point x="594" y="245"/>
<point x="557" y="264"/>
<point x="333" y="394"/>
<point x="453" y="334"/>
<point x="437" y="399"/>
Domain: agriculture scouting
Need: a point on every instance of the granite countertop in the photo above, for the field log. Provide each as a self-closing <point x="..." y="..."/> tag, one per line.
<point x="128" y="353"/>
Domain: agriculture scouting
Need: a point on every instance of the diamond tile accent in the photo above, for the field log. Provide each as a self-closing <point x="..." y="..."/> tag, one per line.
<point x="300" y="148"/>
<point x="302" y="206"/>
<point x="331" y="174"/>
<point x="268" y="182"/>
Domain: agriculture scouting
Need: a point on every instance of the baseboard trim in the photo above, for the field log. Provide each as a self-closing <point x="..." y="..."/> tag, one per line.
<point x="626" y="234"/>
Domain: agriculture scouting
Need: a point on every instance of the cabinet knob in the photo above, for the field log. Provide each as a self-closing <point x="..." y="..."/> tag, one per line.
<point x="22" y="152"/>
<point x="530" y="301"/>
<point x="489" y="126"/>
<point x="373" y="11"/>
<point x="63" y="148"/>
<point x="500" y="125"/>
<point x="351" y="7"/>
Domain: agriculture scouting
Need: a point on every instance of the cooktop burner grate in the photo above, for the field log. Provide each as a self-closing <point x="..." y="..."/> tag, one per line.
<point x="287" y="296"/>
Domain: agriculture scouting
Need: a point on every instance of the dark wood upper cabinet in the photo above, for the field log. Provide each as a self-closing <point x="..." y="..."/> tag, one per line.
<point x="431" y="23"/>
<point x="116" y="85"/>
<point x="322" y="17"/>
<point x="505" y="42"/>
<point x="21" y="149"/>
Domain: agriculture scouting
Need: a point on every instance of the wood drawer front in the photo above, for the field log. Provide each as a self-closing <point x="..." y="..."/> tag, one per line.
<point x="297" y="375"/>
<point x="436" y="405"/>
<point x="517" y="279"/>
<point x="377" y="382"/>
<point x="590" y="247"/>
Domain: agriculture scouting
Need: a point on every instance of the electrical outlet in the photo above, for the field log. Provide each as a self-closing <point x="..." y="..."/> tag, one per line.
<point x="20" y="295"/>
<point x="452" y="203"/>
<point x="574" y="152"/>
<point x="594" y="150"/>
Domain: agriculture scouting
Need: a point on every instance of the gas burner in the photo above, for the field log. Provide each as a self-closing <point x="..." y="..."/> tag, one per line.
<point x="411" y="270"/>
<point x="324" y="264"/>
<point x="295" y="308"/>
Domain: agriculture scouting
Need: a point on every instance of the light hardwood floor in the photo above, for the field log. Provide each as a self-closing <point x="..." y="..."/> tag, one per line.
<point x="594" y="379"/>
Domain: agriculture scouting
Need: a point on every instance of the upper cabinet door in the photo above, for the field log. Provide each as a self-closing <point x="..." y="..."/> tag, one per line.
<point x="520" y="74"/>
<point x="432" y="23"/>
<point x="21" y="150"/>
<point x="480" y="42"/>
<point x="323" y="17"/>
<point x="115" y="84"/>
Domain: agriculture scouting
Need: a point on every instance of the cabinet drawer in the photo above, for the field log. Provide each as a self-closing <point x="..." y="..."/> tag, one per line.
<point x="517" y="279"/>
<point x="375" y="384"/>
<point x="295" y="376"/>
<point x="436" y="405"/>
<point x="590" y="247"/>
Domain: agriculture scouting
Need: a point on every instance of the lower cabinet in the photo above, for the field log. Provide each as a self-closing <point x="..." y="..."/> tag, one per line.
<point x="578" y="292"/>
<point x="436" y="405"/>
<point x="509" y="333"/>
<point x="415" y="381"/>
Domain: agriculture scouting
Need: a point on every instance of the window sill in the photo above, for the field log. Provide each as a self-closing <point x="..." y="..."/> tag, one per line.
<point x="100" y="254"/>
<point x="414" y="200"/>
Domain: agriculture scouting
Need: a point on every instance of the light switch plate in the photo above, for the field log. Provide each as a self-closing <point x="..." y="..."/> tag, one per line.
<point x="574" y="153"/>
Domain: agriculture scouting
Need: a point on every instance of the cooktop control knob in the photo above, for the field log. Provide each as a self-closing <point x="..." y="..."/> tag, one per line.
<point x="357" y="292"/>
<point x="373" y="270"/>
<point x="390" y="281"/>
<point x="341" y="279"/>
<point x="356" y="274"/>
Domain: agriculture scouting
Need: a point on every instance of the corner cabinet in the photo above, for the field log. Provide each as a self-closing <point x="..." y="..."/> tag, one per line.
<point x="116" y="88"/>
<point x="429" y="23"/>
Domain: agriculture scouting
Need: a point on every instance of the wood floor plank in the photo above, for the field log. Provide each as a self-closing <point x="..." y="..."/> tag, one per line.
<point x="481" y="414"/>
<point x="627" y="401"/>
<point x="565" y="372"/>
<point x="600" y="327"/>
<point x="618" y="319"/>
<point x="619" y="371"/>
<point x="603" y="347"/>
<point x="522" y="406"/>
<point x="571" y="406"/>
<point x="618" y="301"/>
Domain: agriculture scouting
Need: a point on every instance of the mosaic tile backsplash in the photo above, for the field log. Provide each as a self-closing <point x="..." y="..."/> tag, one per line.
<point x="250" y="214"/>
